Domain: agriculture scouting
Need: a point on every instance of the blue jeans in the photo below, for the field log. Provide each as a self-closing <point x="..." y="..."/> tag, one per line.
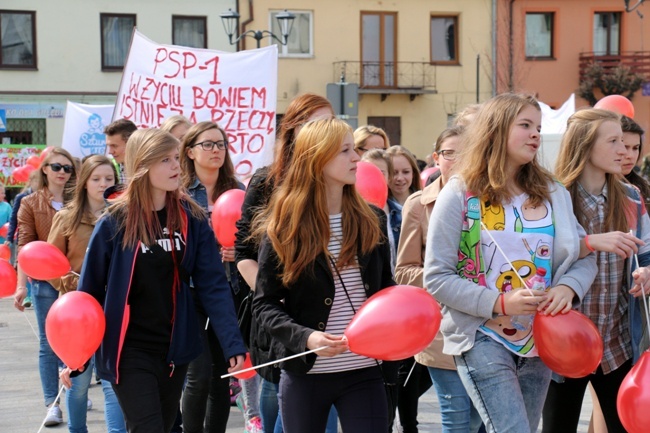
<point x="112" y="410"/>
<point x="76" y="399"/>
<point x="457" y="412"/>
<point x="507" y="390"/>
<point x="43" y="296"/>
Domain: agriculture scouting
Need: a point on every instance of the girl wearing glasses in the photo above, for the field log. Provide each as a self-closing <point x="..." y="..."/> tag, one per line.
<point x="316" y="268"/>
<point x="55" y="184"/>
<point x="207" y="172"/>
<point x="502" y="195"/>
<point x="144" y="252"/>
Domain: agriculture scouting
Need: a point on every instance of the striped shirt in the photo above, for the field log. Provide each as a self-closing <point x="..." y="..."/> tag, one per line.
<point x="342" y="312"/>
<point x="606" y="303"/>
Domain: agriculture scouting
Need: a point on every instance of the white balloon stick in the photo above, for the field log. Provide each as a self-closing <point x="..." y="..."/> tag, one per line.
<point x="298" y="355"/>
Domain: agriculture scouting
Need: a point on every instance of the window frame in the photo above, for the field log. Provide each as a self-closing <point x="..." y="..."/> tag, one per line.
<point x="191" y="17"/>
<point x="551" y="56"/>
<point x="456" y="18"/>
<point x="283" y="49"/>
<point x="106" y="68"/>
<point x="33" y="66"/>
<point x="384" y="82"/>
<point x="609" y="33"/>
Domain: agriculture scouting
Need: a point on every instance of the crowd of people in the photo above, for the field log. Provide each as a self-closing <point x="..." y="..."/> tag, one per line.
<point x="182" y="310"/>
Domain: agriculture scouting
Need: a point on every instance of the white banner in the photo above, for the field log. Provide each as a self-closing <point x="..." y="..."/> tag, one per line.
<point x="83" y="130"/>
<point x="554" y="121"/>
<point x="238" y="91"/>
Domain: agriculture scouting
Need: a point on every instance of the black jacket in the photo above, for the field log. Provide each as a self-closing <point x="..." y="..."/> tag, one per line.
<point x="291" y="314"/>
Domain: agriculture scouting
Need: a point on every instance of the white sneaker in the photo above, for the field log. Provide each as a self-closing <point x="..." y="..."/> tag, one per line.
<point x="53" y="417"/>
<point x="89" y="405"/>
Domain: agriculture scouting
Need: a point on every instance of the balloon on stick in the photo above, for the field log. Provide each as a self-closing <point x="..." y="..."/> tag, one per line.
<point x="4" y="230"/>
<point x="394" y="323"/>
<point x="618" y="104"/>
<point x="43" y="261"/>
<point x="5" y="252"/>
<point x="21" y="174"/>
<point x="34" y="161"/>
<point x="371" y="184"/>
<point x="569" y="344"/>
<point x="424" y="175"/>
<point x="8" y="279"/>
<point x="45" y="152"/>
<point x="75" y="327"/>
<point x="634" y="397"/>
<point x="225" y="214"/>
<point x="247" y="364"/>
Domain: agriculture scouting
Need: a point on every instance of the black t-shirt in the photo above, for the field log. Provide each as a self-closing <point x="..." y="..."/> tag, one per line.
<point x="150" y="296"/>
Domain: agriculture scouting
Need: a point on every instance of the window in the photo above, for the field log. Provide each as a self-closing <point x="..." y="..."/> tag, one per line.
<point x="539" y="35"/>
<point x="116" y="38"/>
<point x="18" y="39"/>
<point x="378" y="49"/>
<point x="189" y="31"/>
<point x="607" y="33"/>
<point x="299" y="43"/>
<point x="444" y="40"/>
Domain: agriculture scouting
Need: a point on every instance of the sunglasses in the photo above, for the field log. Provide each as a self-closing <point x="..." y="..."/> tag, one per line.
<point x="56" y="167"/>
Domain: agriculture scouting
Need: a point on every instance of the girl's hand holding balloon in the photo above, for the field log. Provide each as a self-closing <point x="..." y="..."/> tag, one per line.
<point x="19" y="297"/>
<point x="641" y="277"/>
<point x="559" y="300"/>
<point x="521" y="301"/>
<point x="236" y="363"/>
<point x="337" y="344"/>
<point x="64" y="375"/>
<point x="228" y="254"/>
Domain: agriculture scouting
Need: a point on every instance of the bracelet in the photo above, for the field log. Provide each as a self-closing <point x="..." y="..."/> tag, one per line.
<point x="589" y="247"/>
<point x="503" y="304"/>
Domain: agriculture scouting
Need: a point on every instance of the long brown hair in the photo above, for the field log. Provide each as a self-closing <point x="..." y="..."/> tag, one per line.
<point x="297" y="219"/>
<point x="299" y="110"/>
<point x="79" y="206"/>
<point x="416" y="184"/>
<point x="629" y="125"/>
<point x="41" y="179"/>
<point x="575" y="151"/>
<point x="134" y="209"/>
<point x="483" y="161"/>
<point x="226" y="179"/>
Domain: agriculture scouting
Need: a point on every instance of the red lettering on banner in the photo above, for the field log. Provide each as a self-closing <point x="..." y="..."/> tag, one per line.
<point x="231" y="97"/>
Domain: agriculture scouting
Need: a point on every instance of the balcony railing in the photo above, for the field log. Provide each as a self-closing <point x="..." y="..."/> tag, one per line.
<point x="413" y="78"/>
<point x="637" y="61"/>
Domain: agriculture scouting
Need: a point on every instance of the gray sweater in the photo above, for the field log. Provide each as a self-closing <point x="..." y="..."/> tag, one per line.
<point x="467" y="305"/>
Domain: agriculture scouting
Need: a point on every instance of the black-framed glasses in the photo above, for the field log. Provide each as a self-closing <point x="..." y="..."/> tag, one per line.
<point x="208" y="145"/>
<point x="448" y="154"/>
<point x="56" y="167"/>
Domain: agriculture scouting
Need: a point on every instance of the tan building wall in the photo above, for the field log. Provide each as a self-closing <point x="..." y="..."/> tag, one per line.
<point x="337" y="37"/>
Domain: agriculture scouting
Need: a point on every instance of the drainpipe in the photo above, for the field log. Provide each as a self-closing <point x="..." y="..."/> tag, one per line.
<point x="242" y="43"/>
<point x="511" y="54"/>
<point x="494" y="47"/>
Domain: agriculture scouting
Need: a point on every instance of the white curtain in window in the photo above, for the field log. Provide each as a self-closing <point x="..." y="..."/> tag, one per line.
<point x="17" y="43"/>
<point x="606" y="33"/>
<point x="443" y="39"/>
<point x="189" y="32"/>
<point x="538" y="35"/>
<point x="116" y="32"/>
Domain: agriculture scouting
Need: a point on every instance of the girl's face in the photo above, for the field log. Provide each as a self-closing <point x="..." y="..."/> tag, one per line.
<point x="381" y="165"/>
<point x="402" y="179"/>
<point x="608" y="151"/>
<point x="58" y="178"/>
<point x="209" y="160"/>
<point x="446" y="158"/>
<point x="165" y="175"/>
<point x="524" y="138"/>
<point x="342" y="169"/>
<point x="632" y="143"/>
<point x="101" y="178"/>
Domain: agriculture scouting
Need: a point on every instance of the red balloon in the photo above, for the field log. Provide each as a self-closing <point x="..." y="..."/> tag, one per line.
<point x="395" y="323"/>
<point x="5" y="252"/>
<point x="4" y="229"/>
<point x="371" y="184"/>
<point x="569" y="344"/>
<point x="43" y="261"/>
<point x="45" y="152"/>
<point x="618" y="104"/>
<point x="8" y="279"/>
<point x="225" y="214"/>
<point x="34" y="161"/>
<point x="247" y="364"/>
<point x="424" y="175"/>
<point x="634" y="397"/>
<point x="75" y="327"/>
<point x="21" y="174"/>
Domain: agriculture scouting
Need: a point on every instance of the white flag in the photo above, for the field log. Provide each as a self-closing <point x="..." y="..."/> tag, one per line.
<point x="83" y="130"/>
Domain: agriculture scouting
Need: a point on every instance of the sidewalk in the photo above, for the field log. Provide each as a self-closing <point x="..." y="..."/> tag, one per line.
<point x="21" y="399"/>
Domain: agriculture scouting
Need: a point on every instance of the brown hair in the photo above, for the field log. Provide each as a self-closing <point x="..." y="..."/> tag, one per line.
<point x="123" y="127"/>
<point x="363" y="133"/>
<point x="41" y="179"/>
<point x="629" y="125"/>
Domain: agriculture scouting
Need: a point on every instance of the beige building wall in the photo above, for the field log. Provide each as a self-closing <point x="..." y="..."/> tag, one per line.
<point x="336" y="37"/>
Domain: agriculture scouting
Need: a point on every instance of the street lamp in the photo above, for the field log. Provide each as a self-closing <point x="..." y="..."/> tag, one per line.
<point x="230" y="22"/>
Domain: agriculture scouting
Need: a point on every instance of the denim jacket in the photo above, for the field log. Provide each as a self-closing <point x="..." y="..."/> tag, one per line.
<point x="395" y="219"/>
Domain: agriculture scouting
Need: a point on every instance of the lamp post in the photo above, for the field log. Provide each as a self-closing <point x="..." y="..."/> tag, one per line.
<point x="230" y="22"/>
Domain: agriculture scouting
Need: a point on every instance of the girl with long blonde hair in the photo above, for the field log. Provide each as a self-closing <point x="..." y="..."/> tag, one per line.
<point x="316" y="267"/>
<point x="617" y="225"/>
<point x="502" y="196"/>
<point x="141" y="258"/>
